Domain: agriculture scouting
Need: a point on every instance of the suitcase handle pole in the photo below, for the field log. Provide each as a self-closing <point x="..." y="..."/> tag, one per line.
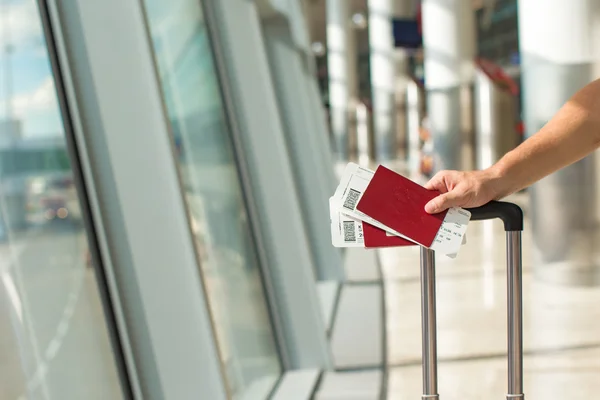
<point x="428" y="325"/>
<point x="512" y="217"/>
<point x="515" y="316"/>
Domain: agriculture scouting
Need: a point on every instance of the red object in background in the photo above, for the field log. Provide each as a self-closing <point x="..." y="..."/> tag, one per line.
<point x="399" y="203"/>
<point x="497" y="74"/>
<point x="501" y="78"/>
<point x="521" y="128"/>
<point x="375" y="237"/>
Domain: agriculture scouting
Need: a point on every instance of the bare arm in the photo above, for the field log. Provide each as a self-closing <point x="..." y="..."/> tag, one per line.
<point x="572" y="134"/>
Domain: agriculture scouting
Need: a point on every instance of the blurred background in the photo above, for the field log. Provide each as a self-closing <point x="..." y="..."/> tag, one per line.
<point x="165" y="170"/>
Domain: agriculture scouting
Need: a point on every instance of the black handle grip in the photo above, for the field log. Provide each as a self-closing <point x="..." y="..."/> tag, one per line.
<point x="511" y="214"/>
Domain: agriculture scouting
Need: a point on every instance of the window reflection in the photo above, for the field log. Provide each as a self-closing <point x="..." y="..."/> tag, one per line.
<point x="53" y="341"/>
<point x="212" y="189"/>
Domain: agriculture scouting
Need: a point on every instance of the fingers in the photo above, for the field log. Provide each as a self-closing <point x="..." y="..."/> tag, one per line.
<point x="437" y="182"/>
<point x="433" y="182"/>
<point x="442" y="203"/>
<point x="445" y="183"/>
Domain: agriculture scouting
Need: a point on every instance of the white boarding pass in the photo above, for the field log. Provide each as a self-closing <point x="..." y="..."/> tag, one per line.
<point x="345" y="230"/>
<point x="355" y="180"/>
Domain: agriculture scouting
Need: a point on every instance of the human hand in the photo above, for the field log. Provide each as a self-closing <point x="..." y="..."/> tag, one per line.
<point x="462" y="189"/>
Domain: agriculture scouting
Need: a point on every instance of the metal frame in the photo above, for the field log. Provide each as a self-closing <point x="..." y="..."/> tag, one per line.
<point x="257" y="129"/>
<point x="248" y="194"/>
<point x="301" y="129"/>
<point x="319" y="114"/>
<point x="110" y="304"/>
<point x="514" y="318"/>
<point x="515" y="315"/>
<point x="429" y="324"/>
<point x="114" y="94"/>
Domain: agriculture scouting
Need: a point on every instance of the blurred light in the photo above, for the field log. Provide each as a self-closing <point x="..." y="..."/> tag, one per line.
<point x="318" y="48"/>
<point x="49" y="214"/>
<point x="37" y="186"/>
<point x="62" y="213"/>
<point x="359" y="20"/>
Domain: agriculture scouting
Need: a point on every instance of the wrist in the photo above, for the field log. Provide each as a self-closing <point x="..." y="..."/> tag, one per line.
<point x="500" y="181"/>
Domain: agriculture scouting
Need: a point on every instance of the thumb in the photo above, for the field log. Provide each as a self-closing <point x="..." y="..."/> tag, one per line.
<point x="442" y="203"/>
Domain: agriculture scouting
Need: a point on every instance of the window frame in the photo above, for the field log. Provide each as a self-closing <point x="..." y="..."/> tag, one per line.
<point x="161" y="313"/>
<point x="247" y="197"/>
<point x="235" y="30"/>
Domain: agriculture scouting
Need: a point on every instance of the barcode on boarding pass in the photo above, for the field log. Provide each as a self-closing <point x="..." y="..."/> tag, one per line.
<point x="349" y="232"/>
<point x="352" y="199"/>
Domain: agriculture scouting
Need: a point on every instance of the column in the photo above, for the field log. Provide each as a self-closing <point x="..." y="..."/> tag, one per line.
<point x="560" y="51"/>
<point x="341" y="69"/>
<point x="415" y="109"/>
<point x="388" y="77"/>
<point x="449" y="46"/>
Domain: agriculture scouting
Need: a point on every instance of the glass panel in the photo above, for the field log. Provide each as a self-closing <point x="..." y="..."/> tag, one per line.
<point x="212" y="188"/>
<point x="53" y="340"/>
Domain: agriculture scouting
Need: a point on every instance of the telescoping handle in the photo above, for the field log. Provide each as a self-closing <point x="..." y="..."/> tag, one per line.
<point x="512" y="217"/>
<point x="428" y="325"/>
<point x="510" y="213"/>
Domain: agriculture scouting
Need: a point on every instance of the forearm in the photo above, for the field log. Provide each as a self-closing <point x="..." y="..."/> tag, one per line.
<point x="572" y="134"/>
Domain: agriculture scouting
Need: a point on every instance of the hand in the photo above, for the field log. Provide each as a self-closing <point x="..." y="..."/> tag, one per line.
<point x="462" y="189"/>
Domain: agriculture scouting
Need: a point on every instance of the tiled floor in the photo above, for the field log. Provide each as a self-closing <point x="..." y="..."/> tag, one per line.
<point x="561" y="325"/>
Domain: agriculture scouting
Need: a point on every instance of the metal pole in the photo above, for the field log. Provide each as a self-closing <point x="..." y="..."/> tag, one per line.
<point x="428" y="320"/>
<point x="515" y="316"/>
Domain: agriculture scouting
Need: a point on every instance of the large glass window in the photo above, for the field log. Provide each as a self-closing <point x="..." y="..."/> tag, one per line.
<point x="213" y="192"/>
<point x="54" y="343"/>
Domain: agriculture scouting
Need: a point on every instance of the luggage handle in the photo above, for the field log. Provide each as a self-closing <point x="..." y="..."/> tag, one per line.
<point x="512" y="217"/>
<point x="510" y="213"/>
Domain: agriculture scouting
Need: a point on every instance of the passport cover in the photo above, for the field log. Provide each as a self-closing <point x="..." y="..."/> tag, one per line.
<point x="375" y="237"/>
<point x="399" y="203"/>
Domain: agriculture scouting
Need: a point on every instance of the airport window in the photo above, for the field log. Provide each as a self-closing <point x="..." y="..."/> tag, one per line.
<point x="54" y="343"/>
<point x="213" y="194"/>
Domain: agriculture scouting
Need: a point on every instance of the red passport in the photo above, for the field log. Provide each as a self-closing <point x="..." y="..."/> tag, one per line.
<point x="375" y="237"/>
<point x="399" y="203"/>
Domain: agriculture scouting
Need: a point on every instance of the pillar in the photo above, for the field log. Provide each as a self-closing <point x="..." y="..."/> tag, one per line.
<point x="449" y="48"/>
<point x="342" y="72"/>
<point x="388" y="78"/>
<point x="559" y="54"/>
<point x="415" y="110"/>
